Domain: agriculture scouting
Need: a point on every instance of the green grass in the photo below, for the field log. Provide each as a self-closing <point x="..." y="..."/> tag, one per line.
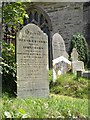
<point x="58" y="105"/>
<point x="69" y="85"/>
<point x="53" y="107"/>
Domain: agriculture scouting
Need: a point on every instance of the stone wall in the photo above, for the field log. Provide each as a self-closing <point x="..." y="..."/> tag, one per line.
<point x="86" y="22"/>
<point x="66" y="19"/>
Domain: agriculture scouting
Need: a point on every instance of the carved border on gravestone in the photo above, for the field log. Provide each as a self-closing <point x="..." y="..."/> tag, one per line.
<point x="32" y="62"/>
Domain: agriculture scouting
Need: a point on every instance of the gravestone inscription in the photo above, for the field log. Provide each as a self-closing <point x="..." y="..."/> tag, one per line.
<point x="58" y="46"/>
<point x="32" y="62"/>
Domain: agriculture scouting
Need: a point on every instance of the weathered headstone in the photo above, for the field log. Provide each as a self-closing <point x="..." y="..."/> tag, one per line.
<point x="32" y="61"/>
<point x="60" y="66"/>
<point x="77" y="65"/>
<point x="65" y="54"/>
<point x="74" y="55"/>
<point x="58" y="46"/>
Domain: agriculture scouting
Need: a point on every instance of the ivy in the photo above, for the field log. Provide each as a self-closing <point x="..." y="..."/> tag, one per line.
<point x="14" y="12"/>
<point x="8" y="67"/>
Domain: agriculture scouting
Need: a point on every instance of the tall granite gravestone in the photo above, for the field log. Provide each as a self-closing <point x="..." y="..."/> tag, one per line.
<point x="32" y="61"/>
<point x="58" y="46"/>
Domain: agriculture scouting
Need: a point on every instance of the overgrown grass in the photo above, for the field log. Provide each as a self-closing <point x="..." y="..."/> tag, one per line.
<point x="57" y="105"/>
<point x="53" y="107"/>
<point x="69" y="85"/>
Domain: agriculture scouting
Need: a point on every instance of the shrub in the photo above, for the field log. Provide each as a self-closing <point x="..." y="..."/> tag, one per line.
<point x="8" y="67"/>
<point x="50" y="77"/>
<point x="69" y="85"/>
<point x="78" y="41"/>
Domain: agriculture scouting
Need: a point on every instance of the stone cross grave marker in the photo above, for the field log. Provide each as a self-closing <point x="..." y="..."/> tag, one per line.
<point x="32" y="61"/>
<point x="58" y="46"/>
<point x="74" y="55"/>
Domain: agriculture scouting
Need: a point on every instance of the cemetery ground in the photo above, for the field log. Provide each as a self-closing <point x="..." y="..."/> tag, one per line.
<point x="25" y="66"/>
<point x="68" y="99"/>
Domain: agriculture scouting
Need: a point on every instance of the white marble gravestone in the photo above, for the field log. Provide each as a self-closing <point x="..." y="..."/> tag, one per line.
<point x="76" y="65"/>
<point x="61" y="65"/>
<point x="58" y="46"/>
<point x="32" y="61"/>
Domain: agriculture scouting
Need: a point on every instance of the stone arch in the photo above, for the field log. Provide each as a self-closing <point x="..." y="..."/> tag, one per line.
<point x="39" y="17"/>
<point x="40" y="12"/>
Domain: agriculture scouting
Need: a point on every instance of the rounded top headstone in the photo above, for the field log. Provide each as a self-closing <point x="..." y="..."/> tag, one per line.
<point x="58" y="46"/>
<point x="31" y="29"/>
<point x="58" y="38"/>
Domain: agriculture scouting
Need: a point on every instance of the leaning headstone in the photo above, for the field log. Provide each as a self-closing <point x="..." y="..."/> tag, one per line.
<point x="77" y="65"/>
<point x="74" y="55"/>
<point x="32" y="61"/>
<point x="61" y="65"/>
<point x="58" y="46"/>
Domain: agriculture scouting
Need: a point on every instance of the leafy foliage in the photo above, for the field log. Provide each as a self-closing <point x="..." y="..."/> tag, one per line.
<point x="8" y="67"/>
<point x="50" y="77"/>
<point x="53" y="107"/>
<point x="14" y="13"/>
<point x="78" y="41"/>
